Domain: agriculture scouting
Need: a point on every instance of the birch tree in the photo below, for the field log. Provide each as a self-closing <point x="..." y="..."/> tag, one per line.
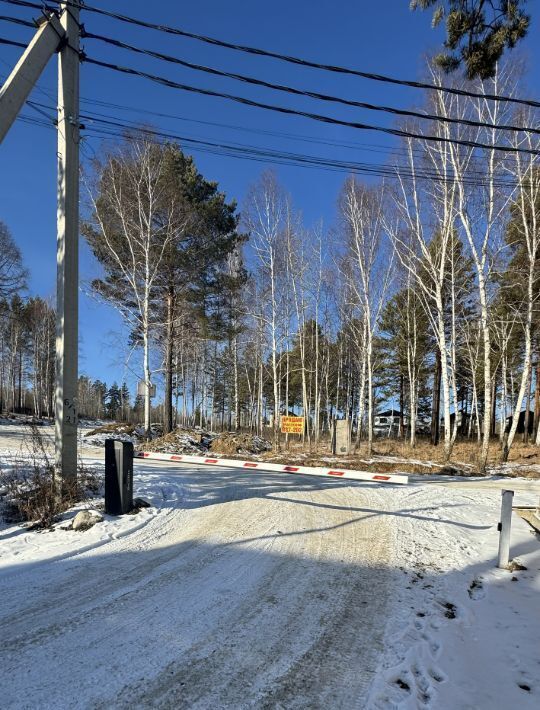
<point x="480" y="205"/>
<point x="264" y="215"/>
<point x="129" y="233"/>
<point x="422" y="230"/>
<point x="524" y="234"/>
<point x="362" y="218"/>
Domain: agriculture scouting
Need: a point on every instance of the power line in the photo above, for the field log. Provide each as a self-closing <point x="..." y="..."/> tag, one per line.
<point x="18" y="21"/>
<point x="106" y="119"/>
<point x="46" y="13"/>
<point x="287" y="58"/>
<point x="255" y="152"/>
<point x="37" y="107"/>
<point x="305" y="114"/>
<point x="473" y="177"/>
<point x="292" y="90"/>
<point x="370" y="147"/>
<point x="112" y="130"/>
<point x="12" y="43"/>
<point x="318" y="117"/>
<point x="304" y="92"/>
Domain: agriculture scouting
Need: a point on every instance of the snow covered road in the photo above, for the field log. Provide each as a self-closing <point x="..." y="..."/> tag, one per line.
<point x="244" y="591"/>
<point x="260" y="590"/>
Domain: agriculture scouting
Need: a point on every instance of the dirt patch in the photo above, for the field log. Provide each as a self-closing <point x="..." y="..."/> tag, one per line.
<point x="515" y="470"/>
<point x="180" y="441"/>
<point x="529" y="516"/>
<point x="233" y="444"/>
<point x="192" y="441"/>
<point x="396" y="456"/>
<point x="114" y="428"/>
<point x="374" y="465"/>
<point x="515" y="566"/>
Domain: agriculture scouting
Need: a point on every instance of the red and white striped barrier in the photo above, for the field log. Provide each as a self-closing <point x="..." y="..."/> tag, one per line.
<point x="280" y="468"/>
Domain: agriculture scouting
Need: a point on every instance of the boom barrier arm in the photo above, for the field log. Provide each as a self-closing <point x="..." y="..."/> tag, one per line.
<point x="278" y="467"/>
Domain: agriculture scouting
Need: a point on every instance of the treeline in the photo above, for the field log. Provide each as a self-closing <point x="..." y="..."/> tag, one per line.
<point x="97" y="400"/>
<point x="421" y="297"/>
<point x="423" y="294"/>
<point x="27" y="353"/>
<point x="27" y="356"/>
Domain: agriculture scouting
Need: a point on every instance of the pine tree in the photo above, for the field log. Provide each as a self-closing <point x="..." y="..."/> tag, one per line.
<point x="477" y="32"/>
<point x="113" y="401"/>
<point x="404" y="346"/>
<point x="125" y="397"/>
<point x="12" y="273"/>
<point x="193" y="284"/>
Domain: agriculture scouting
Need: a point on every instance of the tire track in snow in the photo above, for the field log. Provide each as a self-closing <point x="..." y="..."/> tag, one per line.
<point x="265" y="601"/>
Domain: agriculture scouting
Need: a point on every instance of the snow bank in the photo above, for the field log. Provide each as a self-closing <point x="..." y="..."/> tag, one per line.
<point x="22" y="545"/>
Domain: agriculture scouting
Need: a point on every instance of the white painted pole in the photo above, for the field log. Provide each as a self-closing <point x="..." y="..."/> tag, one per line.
<point x="67" y="285"/>
<point x="504" y="528"/>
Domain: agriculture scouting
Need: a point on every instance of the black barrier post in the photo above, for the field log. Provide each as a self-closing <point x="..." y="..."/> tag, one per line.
<point x="118" y="476"/>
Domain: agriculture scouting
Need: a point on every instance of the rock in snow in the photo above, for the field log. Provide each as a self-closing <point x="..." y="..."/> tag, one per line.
<point x="85" y="519"/>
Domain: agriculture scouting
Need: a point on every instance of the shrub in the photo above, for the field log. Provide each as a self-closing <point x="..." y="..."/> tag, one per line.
<point x="32" y="490"/>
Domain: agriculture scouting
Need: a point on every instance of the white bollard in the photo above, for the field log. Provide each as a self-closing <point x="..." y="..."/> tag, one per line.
<point x="504" y="529"/>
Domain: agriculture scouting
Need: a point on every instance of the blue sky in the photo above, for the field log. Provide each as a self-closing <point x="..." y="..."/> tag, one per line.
<point x="383" y="37"/>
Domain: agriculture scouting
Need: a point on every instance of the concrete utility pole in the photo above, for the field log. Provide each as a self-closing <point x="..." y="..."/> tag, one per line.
<point x="67" y="256"/>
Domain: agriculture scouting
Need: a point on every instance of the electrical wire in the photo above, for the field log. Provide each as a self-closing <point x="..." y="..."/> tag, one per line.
<point x="110" y="126"/>
<point x="127" y="124"/>
<point x="292" y="90"/>
<point x="317" y="117"/>
<point x="18" y="21"/>
<point x="12" y="43"/>
<point x="120" y="129"/>
<point x="369" y="147"/>
<point x="284" y="57"/>
<point x="303" y="92"/>
<point x="305" y="114"/>
<point x="114" y="130"/>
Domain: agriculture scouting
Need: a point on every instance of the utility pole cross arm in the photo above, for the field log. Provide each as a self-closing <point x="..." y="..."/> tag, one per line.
<point x="27" y="71"/>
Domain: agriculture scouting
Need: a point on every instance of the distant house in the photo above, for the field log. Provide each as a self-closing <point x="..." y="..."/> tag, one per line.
<point x="463" y="420"/>
<point x="521" y="422"/>
<point x="386" y="423"/>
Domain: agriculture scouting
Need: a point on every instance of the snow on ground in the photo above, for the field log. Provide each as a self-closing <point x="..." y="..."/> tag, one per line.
<point x="243" y="591"/>
<point x="462" y="633"/>
<point x="259" y="590"/>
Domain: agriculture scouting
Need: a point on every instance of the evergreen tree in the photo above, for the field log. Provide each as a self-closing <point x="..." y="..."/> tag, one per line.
<point x="12" y="273"/>
<point x="477" y="32"/>
<point x="138" y="407"/>
<point x="194" y="287"/>
<point x="404" y="346"/>
<point x="124" y="401"/>
<point x="99" y="390"/>
<point x="113" y="401"/>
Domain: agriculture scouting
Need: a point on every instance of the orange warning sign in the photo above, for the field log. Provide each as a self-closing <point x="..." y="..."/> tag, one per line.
<point x="292" y="425"/>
